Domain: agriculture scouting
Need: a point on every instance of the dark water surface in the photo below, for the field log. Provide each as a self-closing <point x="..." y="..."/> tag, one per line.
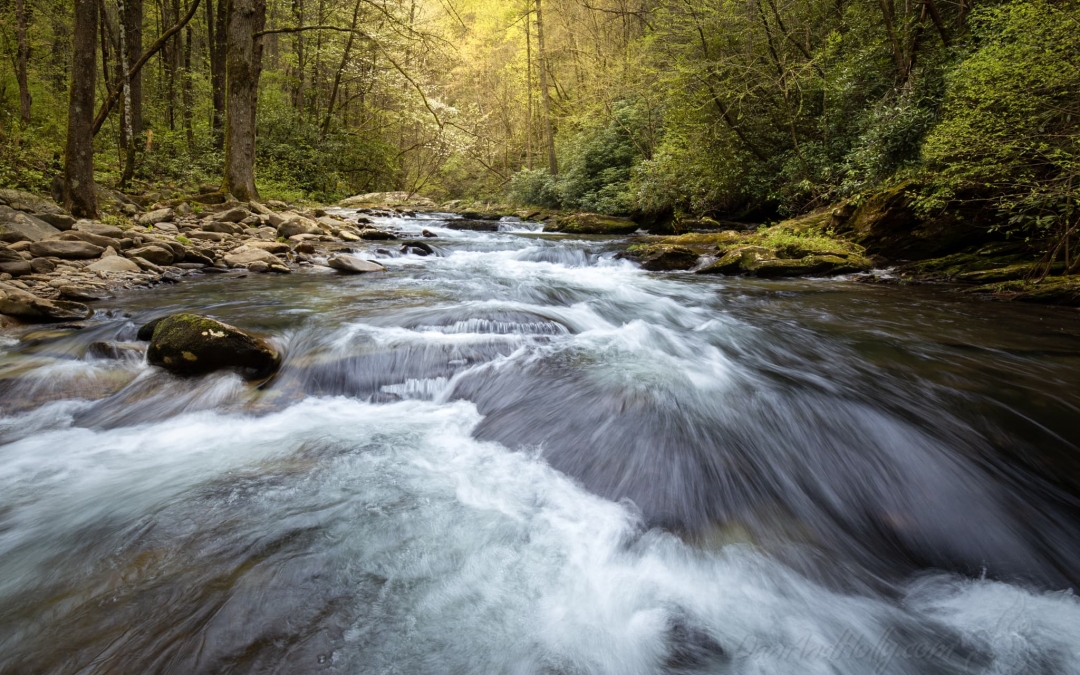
<point x="523" y="456"/>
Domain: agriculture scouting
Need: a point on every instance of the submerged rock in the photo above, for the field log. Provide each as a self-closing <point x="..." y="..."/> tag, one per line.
<point x="189" y="344"/>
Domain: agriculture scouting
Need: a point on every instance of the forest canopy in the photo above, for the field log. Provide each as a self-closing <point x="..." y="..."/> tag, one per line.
<point x="739" y="109"/>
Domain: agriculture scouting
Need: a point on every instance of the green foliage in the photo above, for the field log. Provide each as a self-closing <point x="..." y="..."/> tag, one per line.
<point x="1010" y="130"/>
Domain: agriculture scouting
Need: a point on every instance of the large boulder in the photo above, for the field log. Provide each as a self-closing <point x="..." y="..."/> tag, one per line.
<point x="113" y="263"/>
<point x="189" y="344"/>
<point x="591" y="223"/>
<point x="24" y="201"/>
<point x="71" y="250"/>
<point x="28" y="307"/>
<point x="661" y="257"/>
<point x="60" y="221"/>
<point x="350" y="264"/>
<point x="19" y="226"/>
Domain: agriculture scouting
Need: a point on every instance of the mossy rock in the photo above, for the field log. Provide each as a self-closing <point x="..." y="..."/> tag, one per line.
<point x="591" y="223"/>
<point x="189" y="344"/>
<point x="661" y="257"/>
<point x="1063" y="290"/>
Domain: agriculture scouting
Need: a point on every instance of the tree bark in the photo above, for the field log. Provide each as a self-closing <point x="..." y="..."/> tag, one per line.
<point x="217" y="71"/>
<point x="133" y="19"/>
<point x="127" y="135"/>
<point x="79" y="192"/>
<point x="528" y="90"/>
<point x="545" y="103"/>
<point x="244" y="56"/>
<point x="21" y="60"/>
<point x="340" y="71"/>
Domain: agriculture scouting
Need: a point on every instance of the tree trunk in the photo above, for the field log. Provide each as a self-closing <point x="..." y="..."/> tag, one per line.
<point x="127" y="136"/>
<point x="187" y="103"/>
<point x="545" y="104"/>
<point x="21" y="60"/>
<point x="217" y="70"/>
<point x="340" y="72"/>
<point x="528" y="90"/>
<point x="244" y="55"/>
<point x="133" y="18"/>
<point x="79" y="193"/>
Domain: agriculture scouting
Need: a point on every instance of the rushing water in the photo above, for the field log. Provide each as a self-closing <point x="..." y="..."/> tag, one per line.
<point x="524" y="456"/>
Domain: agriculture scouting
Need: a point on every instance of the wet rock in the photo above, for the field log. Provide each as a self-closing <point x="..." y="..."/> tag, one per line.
<point x="258" y="267"/>
<point x="190" y="344"/>
<point x="157" y="255"/>
<point x="70" y="250"/>
<point x="474" y="225"/>
<point x="350" y="264"/>
<point x="305" y="247"/>
<point x="156" y="216"/>
<point x="60" y="221"/>
<point x="591" y="223"/>
<point x="417" y="248"/>
<point x="428" y="233"/>
<point x="19" y="226"/>
<point x="29" y="307"/>
<point x="117" y="351"/>
<point x="113" y="264"/>
<point x="371" y="234"/>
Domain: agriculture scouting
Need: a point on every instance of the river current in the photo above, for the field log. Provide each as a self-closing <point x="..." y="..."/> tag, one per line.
<point x="522" y="455"/>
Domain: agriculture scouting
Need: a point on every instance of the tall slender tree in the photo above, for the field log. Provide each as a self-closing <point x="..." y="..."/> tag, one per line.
<point x="21" y="59"/>
<point x="545" y="102"/>
<point x="244" y="59"/>
<point x="79" y="190"/>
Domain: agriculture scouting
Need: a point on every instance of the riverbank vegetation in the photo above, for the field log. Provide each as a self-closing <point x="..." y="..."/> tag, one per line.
<point x="663" y="110"/>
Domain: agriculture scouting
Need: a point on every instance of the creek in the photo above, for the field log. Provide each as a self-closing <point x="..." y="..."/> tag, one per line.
<point x="522" y="455"/>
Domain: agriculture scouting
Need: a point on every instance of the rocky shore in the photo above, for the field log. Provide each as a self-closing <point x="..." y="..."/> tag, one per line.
<point x="52" y="265"/>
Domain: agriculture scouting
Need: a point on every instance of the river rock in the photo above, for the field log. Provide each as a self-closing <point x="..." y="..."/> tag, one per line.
<point x="158" y="255"/>
<point x="113" y="264"/>
<point x="350" y="264"/>
<point x="28" y="307"/>
<point x="205" y="236"/>
<point x="60" y="221"/>
<point x="16" y="268"/>
<point x="19" y="226"/>
<point x="428" y="233"/>
<point x="297" y="225"/>
<point x="71" y="250"/>
<point x="156" y="216"/>
<point x="42" y="265"/>
<point x="81" y="293"/>
<point x="233" y="215"/>
<point x="274" y="247"/>
<point x="223" y="227"/>
<point x="117" y="351"/>
<point x="371" y="234"/>
<point x="100" y="229"/>
<point x="190" y="344"/>
<point x="96" y="240"/>
<point x="245" y="255"/>
<point x="417" y="247"/>
<point x="24" y="201"/>
<point x="591" y="223"/>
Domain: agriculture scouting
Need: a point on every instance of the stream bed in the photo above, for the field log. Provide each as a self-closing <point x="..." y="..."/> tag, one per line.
<point x="521" y="455"/>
